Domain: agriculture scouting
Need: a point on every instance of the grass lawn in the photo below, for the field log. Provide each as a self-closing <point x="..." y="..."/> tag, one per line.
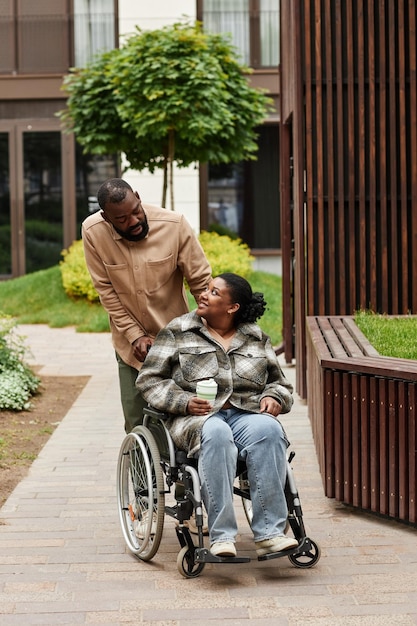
<point x="391" y="336"/>
<point x="39" y="298"/>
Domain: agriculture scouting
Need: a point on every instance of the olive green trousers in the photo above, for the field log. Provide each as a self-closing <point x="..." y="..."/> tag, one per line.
<point x="132" y="401"/>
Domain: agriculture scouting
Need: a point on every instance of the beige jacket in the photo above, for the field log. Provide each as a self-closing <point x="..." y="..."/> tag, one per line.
<point x="140" y="284"/>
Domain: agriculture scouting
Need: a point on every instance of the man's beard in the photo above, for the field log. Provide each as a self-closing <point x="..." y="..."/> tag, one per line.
<point x="126" y="234"/>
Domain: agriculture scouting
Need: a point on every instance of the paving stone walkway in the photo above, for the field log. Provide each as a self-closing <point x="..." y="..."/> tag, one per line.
<point x="63" y="559"/>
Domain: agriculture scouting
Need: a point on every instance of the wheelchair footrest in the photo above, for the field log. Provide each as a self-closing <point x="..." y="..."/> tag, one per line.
<point x="203" y="555"/>
<point x="172" y="511"/>
<point x="277" y="555"/>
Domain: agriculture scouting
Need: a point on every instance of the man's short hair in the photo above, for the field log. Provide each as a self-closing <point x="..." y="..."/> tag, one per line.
<point x="112" y="191"/>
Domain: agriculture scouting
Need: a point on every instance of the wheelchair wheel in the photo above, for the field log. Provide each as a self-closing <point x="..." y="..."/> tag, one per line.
<point x="140" y="493"/>
<point x="186" y="564"/>
<point x="308" y="556"/>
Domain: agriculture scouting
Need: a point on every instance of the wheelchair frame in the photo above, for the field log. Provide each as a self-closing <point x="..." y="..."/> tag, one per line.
<point x="149" y="466"/>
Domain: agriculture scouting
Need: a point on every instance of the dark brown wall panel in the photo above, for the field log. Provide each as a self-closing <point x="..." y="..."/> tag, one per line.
<point x="357" y="116"/>
<point x="360" y="95"/>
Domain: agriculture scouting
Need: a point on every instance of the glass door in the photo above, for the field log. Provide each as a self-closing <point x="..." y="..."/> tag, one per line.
<point x="5" y="207"/>
<point x="42" y="199"/>
<point x="45" y="193"/>
<point x="37" y="218"/>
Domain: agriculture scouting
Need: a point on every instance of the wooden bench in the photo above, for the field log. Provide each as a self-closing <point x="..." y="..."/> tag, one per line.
<point x="362" y="409"/>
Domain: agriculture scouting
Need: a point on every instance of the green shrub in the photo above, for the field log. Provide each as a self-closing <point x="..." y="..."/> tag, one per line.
<point x="42" y="230"/>
<point x="17" y="381"/>
<point x="76" y="279"/>
<point x="223" y="253"/>
<point x="222" y="230"/>
<point x="227" y="255"/>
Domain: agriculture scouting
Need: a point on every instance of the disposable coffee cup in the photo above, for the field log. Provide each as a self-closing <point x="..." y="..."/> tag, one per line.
<point x="207" y="389"/>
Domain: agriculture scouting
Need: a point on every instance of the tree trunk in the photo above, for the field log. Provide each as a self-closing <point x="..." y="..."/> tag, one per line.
<point x="171" y="154"/>
<point x="165" y="184"/>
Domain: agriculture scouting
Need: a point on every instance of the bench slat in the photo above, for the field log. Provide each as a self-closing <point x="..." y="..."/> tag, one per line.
<point x="359" y="337"/>
<point x="344" y="335"/>
<point x="317" y="337"/>
<point x="335" y="346"/>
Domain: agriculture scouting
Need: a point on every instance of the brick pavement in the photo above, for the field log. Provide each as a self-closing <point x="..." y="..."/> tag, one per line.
<point x="63" y="560"/>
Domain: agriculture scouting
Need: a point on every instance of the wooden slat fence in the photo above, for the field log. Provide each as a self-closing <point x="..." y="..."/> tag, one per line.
<point x="360" y="110"/>
<point x="349" y="95"/>
<point x="362" y="409"/>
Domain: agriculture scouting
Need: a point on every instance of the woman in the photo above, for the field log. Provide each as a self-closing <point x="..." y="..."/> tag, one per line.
<point x="220" y="340"/>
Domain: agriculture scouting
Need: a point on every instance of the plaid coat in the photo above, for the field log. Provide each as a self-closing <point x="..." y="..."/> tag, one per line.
<point x="184" y="353"/>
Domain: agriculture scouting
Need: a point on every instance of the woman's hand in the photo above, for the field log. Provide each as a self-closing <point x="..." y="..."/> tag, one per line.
<point x="270" y="405"/>
<point x="198" y="406"/>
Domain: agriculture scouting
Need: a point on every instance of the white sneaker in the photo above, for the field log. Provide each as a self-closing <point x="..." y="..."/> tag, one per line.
<point x="223" y="548"/>
<point x="142" y="525"/>
<point x="276" y="544"/>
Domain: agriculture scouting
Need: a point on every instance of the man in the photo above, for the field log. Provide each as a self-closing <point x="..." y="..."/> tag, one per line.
<point x="138" y="256"/>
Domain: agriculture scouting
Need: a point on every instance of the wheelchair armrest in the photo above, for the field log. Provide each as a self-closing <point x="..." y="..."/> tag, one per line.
<point x="148" y="410"/>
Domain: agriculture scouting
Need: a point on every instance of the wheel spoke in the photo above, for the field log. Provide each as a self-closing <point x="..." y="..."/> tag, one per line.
<point x="141" y="497"/>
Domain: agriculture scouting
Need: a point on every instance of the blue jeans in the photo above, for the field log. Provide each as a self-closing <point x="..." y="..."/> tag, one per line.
<point x="260" y="441"/>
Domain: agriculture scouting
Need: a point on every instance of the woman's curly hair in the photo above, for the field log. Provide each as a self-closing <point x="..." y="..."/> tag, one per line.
<point x="252" y="304"/>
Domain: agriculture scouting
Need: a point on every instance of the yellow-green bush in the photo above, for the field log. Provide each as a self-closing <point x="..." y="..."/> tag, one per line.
<point x="76" y="279"/>
<point x="223" y="253"/>
<point x="226" y="255"/>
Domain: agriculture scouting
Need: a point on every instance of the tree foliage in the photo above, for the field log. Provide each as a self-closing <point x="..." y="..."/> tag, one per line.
<point x="176" y="94"/>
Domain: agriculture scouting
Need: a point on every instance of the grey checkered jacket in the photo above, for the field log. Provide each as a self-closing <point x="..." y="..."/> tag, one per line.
<point x="184" y="353"/>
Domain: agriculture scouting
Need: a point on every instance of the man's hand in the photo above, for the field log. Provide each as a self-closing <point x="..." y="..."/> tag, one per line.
<point x="141" y="347"/>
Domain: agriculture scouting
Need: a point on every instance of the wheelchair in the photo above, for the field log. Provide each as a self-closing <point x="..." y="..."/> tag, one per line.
<point x="149" y="466"/>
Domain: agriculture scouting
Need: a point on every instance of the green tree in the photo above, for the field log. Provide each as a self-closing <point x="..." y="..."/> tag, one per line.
<point x="176" y="94"/>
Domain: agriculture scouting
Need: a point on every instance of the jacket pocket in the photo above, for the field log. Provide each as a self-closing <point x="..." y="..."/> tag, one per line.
<point x="158" y="272"/>
<point x="119" y="277"/>
<point x="251" y="367"/>
<point x="198" y="363"/>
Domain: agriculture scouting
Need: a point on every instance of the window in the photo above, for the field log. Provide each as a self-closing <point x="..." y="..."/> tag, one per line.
<point x="252" y="24"/>
<point x="269" y="32"/>
<point x="243" y="198"/>
<point x="90" y="171"/>
<point x="35" y="37"/>
<point x="93" y="29"/>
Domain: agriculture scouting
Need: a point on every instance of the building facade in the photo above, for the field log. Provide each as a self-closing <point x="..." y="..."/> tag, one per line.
<point x="48" y="186"/>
